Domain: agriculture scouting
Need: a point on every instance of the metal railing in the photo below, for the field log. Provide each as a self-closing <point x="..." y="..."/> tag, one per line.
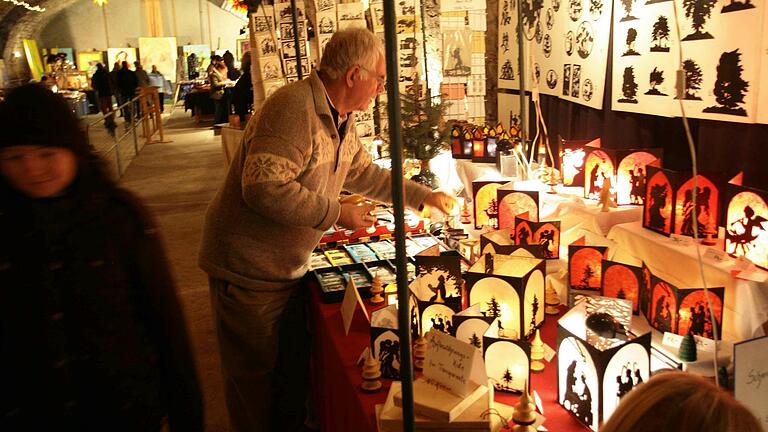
<point x="146" y="103"/>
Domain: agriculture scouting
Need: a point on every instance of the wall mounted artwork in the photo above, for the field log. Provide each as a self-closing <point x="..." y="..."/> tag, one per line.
<point x="120" y="55"/>
<point x="160" y="52"/>
<point x="87" y="61"/>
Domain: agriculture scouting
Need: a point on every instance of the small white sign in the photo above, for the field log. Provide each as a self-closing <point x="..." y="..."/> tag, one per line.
<point x="681" y="240"/>
<point x="349" y="304"/>
<point x="454" y="364"/>
<point x="716" y="255"/>
<point x="751" y="376"/>
<point x="549" y="354"/>
<point x="702" y="344"/>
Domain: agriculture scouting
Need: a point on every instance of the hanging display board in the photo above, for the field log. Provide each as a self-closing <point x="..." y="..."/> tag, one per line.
<point x="721" y="64"/>
<point x="566" y="47"/>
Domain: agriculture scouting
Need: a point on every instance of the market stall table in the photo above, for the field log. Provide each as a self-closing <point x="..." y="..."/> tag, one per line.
<point x="342" y="406"/>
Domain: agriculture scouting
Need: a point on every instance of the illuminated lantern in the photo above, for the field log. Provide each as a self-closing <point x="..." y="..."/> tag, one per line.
<point x="597" y="369"/>
<point x="457" y="148"/>
<point x="478" y="145"/>
<point x="513" y="203"/>
<point x="485" y="204"/>
<point x="544" y="233"/>
<point x="466" y="142"/>
<point x="470" y="325"/>
<point x="507" y="361"/>
<point x="669" y="203"/>
<point x="501" y="242"/>
<point x="572" y="154"/>
<point x="491" y="145"/>
<point x="511" y="288"/>
<point x="622" y="281"/>
<point x="626" y="169"/>
<point x="746" y="223"/>
<point x="585" y="265"/>
<point x="678" y="310"/>
<point x="385" y="341"/>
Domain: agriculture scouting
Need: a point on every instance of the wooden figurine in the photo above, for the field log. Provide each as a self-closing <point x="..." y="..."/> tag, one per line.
<point x="524" y="416"/>
<point x="606" y="197"/>
<point x="419" y="353"/>
<point x="376" y="290"/>
<point x="551" y="300"/>
<point x="537" y="353"/>
<point x="371" y="375"/>
<point x="710" y="239"/>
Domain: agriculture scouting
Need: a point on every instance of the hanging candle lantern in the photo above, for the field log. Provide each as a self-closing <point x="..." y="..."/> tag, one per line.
<point x="478" y="144"/>
<point x="467" y="143"/>
<point x="457" y="150"/>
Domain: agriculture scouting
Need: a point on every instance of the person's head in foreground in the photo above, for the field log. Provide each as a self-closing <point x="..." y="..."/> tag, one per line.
<point x="680" y="402"/>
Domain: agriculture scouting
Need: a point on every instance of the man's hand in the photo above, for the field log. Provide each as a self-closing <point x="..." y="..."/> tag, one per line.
<point x="440" y="201"/>
<point x="355" y="216"/>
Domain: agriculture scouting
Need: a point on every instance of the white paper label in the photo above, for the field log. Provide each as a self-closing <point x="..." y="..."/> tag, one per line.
<point x="454" y="364"/>
<point x="549" y="353"/>
<point x="751" y="376"/>
<point x="716" y="255"/>
<point x="681" y="240"/>
<point x="351" y="300"/>
<point x="702" y="344"/>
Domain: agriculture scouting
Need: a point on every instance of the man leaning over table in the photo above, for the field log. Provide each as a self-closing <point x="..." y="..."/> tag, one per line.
<point x="280" y="194"/>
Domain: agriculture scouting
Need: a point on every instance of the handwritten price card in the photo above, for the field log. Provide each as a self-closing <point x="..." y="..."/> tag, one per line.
<point x="454" y="364"/>
<point x="751" y="376"/>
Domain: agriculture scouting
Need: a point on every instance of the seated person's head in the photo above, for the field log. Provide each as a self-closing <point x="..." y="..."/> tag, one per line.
<point x="680" y="402"/>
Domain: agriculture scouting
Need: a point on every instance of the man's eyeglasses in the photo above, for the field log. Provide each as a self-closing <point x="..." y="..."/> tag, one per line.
<point x="382" y="80"/>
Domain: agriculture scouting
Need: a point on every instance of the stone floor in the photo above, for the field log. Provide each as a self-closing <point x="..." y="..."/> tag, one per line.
<point x="176" y="180"/>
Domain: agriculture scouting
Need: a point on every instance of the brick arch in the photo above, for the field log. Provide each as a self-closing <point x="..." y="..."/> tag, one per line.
<point x="16" y="24"/>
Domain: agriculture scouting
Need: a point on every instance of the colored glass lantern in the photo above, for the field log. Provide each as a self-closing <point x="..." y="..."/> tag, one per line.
<point x="467" y="143"/>
<point x="595" y="371"/>
<point x="669" y="203"/>
<point x="513" y="203"/>
<point x="485" y="204"/>
<point x="544" y="233"/>
<point x="511" y="288"/>
<point x="746" y="223"/>
<point x="457" y="147"/>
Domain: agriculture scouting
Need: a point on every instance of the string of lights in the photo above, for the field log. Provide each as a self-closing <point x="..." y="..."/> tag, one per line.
<point x="26" y="5"/>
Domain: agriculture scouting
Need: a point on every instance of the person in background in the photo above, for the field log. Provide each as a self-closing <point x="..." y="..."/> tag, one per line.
<point x="93" y="335"/>
<point x="157" y="80"/>
<point x="113" y="83"/>
<point x="141" y="75"/>
<point x="279" y="197"/>
<point x="242" y="93"/>
<point x="229" y="60"/>
<point x="127" y="82"/>
<point x="217" y="77"/>
<point x="680" y="402"/>
<point x="101" y="83"/>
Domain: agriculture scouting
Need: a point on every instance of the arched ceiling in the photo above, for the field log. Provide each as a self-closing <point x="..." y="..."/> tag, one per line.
<point x="18" y="23"/>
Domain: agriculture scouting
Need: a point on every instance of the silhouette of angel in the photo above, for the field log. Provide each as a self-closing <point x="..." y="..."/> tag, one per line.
<point x="744" y="231"/>
<point x="389" y="356"/>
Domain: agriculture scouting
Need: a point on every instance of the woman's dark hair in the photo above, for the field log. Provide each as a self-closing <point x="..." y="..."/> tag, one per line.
<point x="33" y="115"/>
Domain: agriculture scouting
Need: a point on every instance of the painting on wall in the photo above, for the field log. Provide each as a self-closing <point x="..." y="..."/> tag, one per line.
<point x="87" y="61"/>
<point x="120" y="55"/>
<point x="196" y="59"/>
<point x="67" y="53"/>
<point x="160" y="52"/>
<point x="33" y="58"/>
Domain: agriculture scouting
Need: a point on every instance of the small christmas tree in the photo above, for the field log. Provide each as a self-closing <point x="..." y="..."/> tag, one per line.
<point x="687" y="352"/>
<point x="371" y="374"/>
<point x="475" y="340"/>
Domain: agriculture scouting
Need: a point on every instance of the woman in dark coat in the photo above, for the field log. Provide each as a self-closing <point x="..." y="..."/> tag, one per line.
<point x="93" y="336"/>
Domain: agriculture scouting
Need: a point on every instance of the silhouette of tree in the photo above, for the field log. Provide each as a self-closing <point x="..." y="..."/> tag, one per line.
<point x="507" y="377"/>
<point x="693" y="77"/>
<point x="627" y="5"/>
<point x="698" y="11"/>
<point x="494" y="308"/>
<point x="655" y="78"/>
<point x="730" y="88"/>
<point x="629" y="86"/>
<point x="587" y="275"/>
<point x="735" y="6"/>
<point x="474" y="340"/>
<point x="621" y="294"/>
<point x="660" y="33"/>
<point x="631" y="37"/>
<point x="534" y="309"/>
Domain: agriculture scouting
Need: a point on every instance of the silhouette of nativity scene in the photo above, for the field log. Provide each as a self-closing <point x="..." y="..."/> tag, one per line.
<point x="578" y="396"/>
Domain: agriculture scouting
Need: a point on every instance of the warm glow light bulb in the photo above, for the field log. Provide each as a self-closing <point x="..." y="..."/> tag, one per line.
<point x="100" y="2"/>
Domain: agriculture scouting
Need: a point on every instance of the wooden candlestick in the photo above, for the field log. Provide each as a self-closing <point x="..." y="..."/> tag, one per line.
<point x="376" y="290"/>
<point x="419" y="353"/>
<point x="371" y="375"/>
<point x="551" y="300"/>
<point x="537" y="353"/>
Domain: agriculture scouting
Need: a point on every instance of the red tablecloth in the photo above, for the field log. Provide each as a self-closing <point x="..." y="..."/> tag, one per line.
<point x="343" y="407"/>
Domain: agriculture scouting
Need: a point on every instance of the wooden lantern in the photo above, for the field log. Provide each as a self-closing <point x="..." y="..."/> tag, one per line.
<point x="437" y="288"/>
<point x="544" y="233"/>
<point x="385" y="341"/>
<point x="585" y="266"/>
<point x="457" y="145"/>
<point x="470" y="325"/>
<point x="595" y="372"/>
<point x="513" y="203"/>
<point x="511" y="288"/>
<point x="622" y="281"/>
<point x="480" y="150"/>
<point x="507" y="361"/>
<point x="678" y="310"/>
<point x="746" y="223"/>
<point x="485" y="203"/>
<point x="669" y="204"/>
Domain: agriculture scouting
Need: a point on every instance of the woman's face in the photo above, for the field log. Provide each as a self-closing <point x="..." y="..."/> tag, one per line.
<point x="38" y="171"/>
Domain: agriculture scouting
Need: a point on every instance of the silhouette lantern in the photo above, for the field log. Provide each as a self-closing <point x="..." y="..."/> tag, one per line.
<point x="680" y="310"/>
<point x="485" y="203"/>
<point x="746" y="223"/>
<point x="516" y="202"/>
<point x="507" y="361"/>
<point x="669" y="205"/>
<point x="595" y="371"/>
<point x="437" y="288"/>
<point x="626" y="169"/>
<point x="545" y="234"/>
<point x="622" y="281"/>
<point x="385" y="340"/>
<point x="470" y="325"/>
<point x="585" y="265"/>
<point x="572" y="154"/>
<point x="511" y="288"/>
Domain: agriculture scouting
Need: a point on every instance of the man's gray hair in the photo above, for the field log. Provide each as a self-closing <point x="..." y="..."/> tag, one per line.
<point x="356" y="46"/>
